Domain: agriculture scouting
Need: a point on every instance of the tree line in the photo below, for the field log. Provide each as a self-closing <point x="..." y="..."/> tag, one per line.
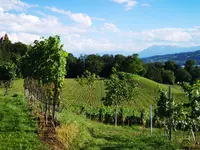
<point x="168" y="73"/>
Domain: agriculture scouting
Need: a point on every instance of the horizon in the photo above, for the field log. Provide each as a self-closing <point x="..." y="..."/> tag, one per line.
<point x="103" y="27"/>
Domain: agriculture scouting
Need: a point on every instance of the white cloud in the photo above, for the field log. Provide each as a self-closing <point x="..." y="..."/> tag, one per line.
<point x="110" y="27"/>
<point x="129" y="4"/>
<point x="22" y="37"/>
<point x="99" y="19"/>
<point x="146" y="5"/>
<point x="163" y="34"/>
<point x="17" y="5"/>
<point x="168" y="34"/>
<point x="77" y="17"/>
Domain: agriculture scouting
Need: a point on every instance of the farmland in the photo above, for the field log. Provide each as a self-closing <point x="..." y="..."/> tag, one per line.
<point x="75" y="95"/>
<point x="81" y="132"/>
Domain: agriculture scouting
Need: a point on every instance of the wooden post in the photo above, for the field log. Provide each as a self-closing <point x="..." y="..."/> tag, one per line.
<point x="170" y="114"/>
<point x="116" y="115"/>
<point x="151" y="123"/>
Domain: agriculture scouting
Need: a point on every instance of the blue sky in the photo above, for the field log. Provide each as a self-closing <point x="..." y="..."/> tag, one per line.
<point x="103" y="26"/>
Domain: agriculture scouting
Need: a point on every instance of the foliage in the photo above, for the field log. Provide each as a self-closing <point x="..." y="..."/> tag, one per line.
<point x="94" y="64"/>
<point x="168" y="76"/>
<point x="7" y="72"/>
<point x="119" y="90"/>
<point x="88" y="79"/>
<point x="133" y="64"/>
<point x="182" y="75"/>
<point x="45" y="62"/>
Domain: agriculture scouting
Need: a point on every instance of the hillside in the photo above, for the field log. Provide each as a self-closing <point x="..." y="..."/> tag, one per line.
<point x="75" y="95"/>
<point x="78" y="132"/>
<point x="179" y="58"/>
<point x="165" y="49"/>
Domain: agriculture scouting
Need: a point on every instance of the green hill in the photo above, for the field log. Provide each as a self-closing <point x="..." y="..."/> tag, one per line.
<point x="75" y="95"/>
<point x="76" y="131"/>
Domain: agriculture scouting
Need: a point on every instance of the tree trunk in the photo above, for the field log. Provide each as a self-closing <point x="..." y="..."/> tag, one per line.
<point x="7" y="87"/>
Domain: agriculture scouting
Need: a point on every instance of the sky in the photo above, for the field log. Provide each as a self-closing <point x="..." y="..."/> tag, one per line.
<point x="103" y="26"/>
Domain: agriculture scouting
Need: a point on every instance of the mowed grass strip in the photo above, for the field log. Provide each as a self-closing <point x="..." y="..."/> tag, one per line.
<point x="18" y="129"/>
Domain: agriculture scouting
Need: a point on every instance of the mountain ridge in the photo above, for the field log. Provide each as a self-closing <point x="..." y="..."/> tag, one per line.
<point x="179" y="58"/>
<point x="165" y="49"/>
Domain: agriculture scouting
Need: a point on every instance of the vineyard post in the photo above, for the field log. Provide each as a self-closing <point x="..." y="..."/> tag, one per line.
<point x="151" y="119"/>
<point x="170" y="119"/>
<point x="116" y="109"/>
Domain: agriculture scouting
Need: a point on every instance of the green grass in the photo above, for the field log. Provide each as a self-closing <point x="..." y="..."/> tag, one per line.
<point x="82" y="133"/>
<point x="17" y="130"/>
<point x="92" y="135"/>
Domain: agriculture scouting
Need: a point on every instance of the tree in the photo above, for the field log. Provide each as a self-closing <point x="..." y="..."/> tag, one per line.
<point x="154" y="72"/>
<point x="119" y="90"/>
<point x="108" y="63"/>
<point x="182" y="75"/>
<point x="133" y="64"/>
<point x="168" y="76"/>
<point x="195" y="73"/>
<point x="170" y="65"/>
<point x="189" y="65"/>
<point x="72" y="67"/>
<point x="94" y="64"/>
<point x="5" y="48"/>
<point x="88" y="79"/>
<point x="7" y="74"/>
<point x="118" y="60"/>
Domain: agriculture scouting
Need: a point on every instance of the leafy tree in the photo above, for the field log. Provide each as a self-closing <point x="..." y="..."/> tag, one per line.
<point x="108" y="61"/>
<point x="119" y="59"/>
<point x="168" y="76"/>
<point x="133" y="64"/>
<point x="5" y="49"/>
<point x="118" y="90"/>
<point x="94" y="64"/>
<point x="7" y="74"/>
<point x="189" y="65"/>
<point x="154" y="72"/>
<point x="195" y="73"/>
<point x="182" y="75"/>
<point x="170" y="65"/>
<point x="88" y="79"/>
<point x="72" y="66"/>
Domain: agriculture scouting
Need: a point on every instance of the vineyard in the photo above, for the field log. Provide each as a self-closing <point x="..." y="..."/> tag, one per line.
<point x="90" y="112"/>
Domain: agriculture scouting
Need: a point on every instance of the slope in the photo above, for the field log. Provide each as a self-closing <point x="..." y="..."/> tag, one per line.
<point x="75" y="95"/>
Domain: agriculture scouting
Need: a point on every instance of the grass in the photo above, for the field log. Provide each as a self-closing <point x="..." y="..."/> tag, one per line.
<point x="78" y="132"/>
<point x="17" y="130"/>
<point x="91" y="135"/>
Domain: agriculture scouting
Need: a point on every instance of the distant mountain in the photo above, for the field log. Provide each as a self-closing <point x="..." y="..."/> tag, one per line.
<point x="165" y="49"/>
<point x="179" y="58"/>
